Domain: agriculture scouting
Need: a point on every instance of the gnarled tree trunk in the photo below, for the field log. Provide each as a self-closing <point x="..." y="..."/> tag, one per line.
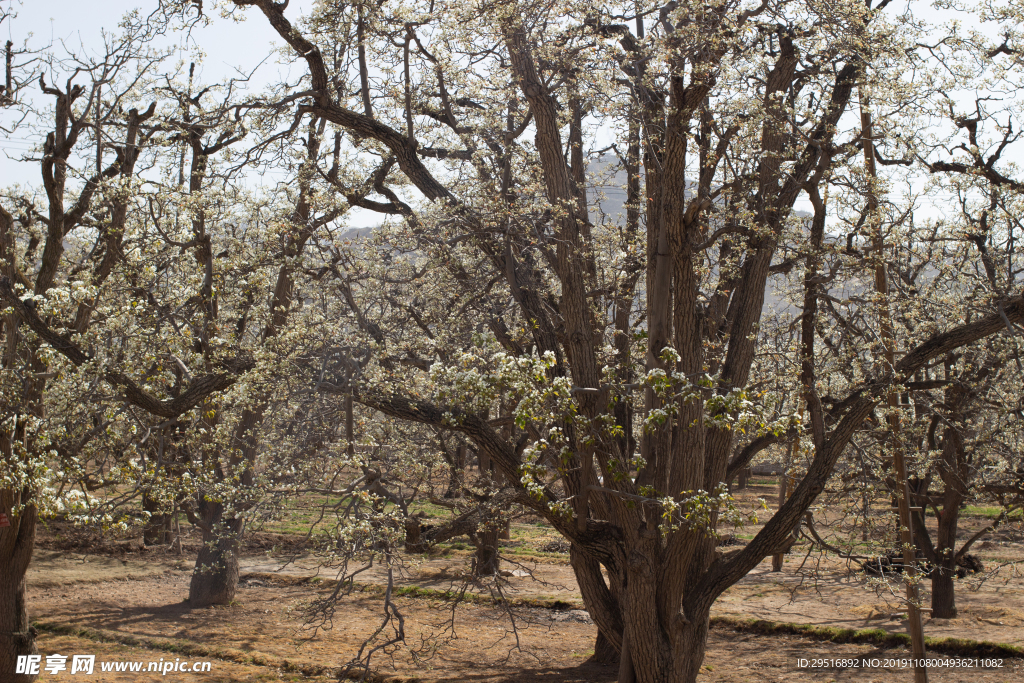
<point x="486" y="562"/>
<point x="943" y="593"/>
<point x="602" y="604"/>
<point x="157" y="530"/>
<point x="215" y="578"/>
<point x="16" y="635"/>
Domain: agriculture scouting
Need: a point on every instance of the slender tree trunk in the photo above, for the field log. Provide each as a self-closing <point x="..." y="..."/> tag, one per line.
<point x="744" y="476"/>
<point x="943" y="589"/>
<point x="176" y="535"/>
<point x="215" y="578"/>
<point x="627" y="674"/>
<point x="16" y="543"/>
<point x="778" y="559"/>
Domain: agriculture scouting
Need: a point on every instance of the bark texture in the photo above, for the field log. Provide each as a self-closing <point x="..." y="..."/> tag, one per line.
<point x="157" y="530"/>
<point x="17" y="637"/>
<point x="215" y="578"/>
<point x="709" y="253"/>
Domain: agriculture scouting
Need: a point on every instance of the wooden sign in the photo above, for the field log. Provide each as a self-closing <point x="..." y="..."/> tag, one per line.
<point x="4" y="520"/>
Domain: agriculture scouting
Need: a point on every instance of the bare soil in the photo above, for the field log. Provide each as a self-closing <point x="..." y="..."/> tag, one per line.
<point x="121" y="601"/>
<point x="553" y="646"/>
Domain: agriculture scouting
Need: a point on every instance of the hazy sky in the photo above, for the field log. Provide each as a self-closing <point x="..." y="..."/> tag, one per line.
<point x="228" y="46"/>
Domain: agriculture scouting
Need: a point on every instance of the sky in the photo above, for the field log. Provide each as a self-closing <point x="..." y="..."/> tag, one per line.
<point x="228" y="48"/>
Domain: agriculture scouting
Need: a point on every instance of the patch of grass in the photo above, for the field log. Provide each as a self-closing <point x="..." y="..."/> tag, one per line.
<point x="429" y="509"/>
<point x="991" y="512"/>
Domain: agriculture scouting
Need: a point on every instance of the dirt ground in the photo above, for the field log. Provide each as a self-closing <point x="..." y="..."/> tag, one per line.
<point x="261" y="637"/>
<point x="266" y="622"/>
<point x="117" y="600"/>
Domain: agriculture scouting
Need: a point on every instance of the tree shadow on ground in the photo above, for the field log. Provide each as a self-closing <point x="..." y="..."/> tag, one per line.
<point x="587" y="672"/>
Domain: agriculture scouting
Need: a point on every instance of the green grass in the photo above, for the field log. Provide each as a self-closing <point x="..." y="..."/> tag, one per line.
<point x="304" y="513"/>
<point x="429" y="509"/>
<point x="991" y="513"/>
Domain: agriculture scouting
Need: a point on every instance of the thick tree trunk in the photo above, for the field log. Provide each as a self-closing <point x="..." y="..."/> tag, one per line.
<point x="457" y="473"/>
<point x="157" y="530"/>
<point x="605" y="651"/>
<point x="16" y="635"/>
<point x="215" y="578"/>
<point x="688" y="651"/>
<point x="676" y="653"/>
<point x="486" y="562"/>
<point x="601" y="603"/>
<point x="943" y="593"/>
<point x="413" y="536"/>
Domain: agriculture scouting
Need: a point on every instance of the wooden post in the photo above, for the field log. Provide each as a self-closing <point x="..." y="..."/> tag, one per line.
<point x="892" y="399"/>
<point x="176" y="543"/>
<point x="350" y="428"/>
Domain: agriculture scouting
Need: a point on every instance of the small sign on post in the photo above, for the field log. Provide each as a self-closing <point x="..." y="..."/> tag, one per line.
<point x="4" y="520"/>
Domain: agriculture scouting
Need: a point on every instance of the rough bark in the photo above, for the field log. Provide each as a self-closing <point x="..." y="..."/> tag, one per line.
<point x="215" y="578"/>
<point x="654" y="607"/>
<point x="604" y="651"/>
<point x="943" y="591"/>
<point x="157" y="530"/>
<point x="599" y="597"/>
<point x="456" y="472"/>
<point x="16" y="635"/>
<point x="486" y="561"/>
